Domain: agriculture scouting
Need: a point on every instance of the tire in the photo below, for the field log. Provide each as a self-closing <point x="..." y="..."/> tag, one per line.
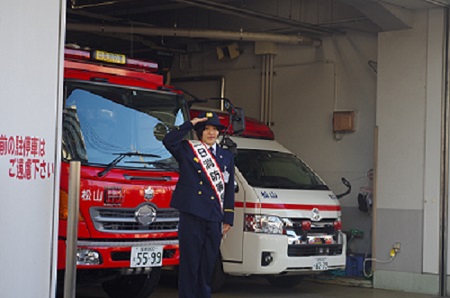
<point x="285" y="281"/>
<point x="219" y="277"/>
<point x="133" y="286"/>
<point x="59" y="290"/>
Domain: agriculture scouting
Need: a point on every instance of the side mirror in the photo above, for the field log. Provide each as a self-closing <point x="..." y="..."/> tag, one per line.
<point x="236" y="187"/>
<point x="238" y="120"/>
<point x="349" y="188"/>
<point x="228" y="143"/>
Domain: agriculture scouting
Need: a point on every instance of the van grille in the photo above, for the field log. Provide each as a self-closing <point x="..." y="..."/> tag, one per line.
<point x="324" y="226"/>
<point x="305" y="250"/>
<point x="122" y="220"/>
<point x="320" y="239"/>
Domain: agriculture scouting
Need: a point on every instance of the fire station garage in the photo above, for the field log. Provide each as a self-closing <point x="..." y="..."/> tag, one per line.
<point x="357" y="89"/>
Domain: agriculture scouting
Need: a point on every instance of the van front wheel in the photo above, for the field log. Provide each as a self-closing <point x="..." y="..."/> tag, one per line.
<point x="285" y="281"/>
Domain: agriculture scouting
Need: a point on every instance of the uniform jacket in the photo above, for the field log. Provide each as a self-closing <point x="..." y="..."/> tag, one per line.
<point x="194" y="193"/>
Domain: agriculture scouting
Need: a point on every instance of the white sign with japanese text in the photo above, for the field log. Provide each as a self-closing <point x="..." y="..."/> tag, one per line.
<point x="32" y="38"/>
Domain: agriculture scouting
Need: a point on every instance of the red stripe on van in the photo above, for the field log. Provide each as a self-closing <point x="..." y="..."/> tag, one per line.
<point x="288" y="206"/>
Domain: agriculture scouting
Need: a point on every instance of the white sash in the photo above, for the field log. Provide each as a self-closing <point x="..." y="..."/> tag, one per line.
<point x="210" y="167"/>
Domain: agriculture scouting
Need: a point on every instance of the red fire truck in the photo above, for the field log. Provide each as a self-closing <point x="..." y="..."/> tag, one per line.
<point x="116" y="113"/>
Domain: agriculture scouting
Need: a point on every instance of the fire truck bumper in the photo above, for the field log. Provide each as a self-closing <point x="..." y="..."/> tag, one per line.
<point x="115" y="254"/>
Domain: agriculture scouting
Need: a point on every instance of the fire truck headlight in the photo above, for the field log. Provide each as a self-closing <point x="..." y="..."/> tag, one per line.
<point x="263" y="224"/>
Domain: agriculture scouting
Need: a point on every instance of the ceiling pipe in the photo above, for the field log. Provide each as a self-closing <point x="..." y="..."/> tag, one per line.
<point x="196" y="33"/>
<point x="96" y="4"/>
<point x="245" y="12"/>
<point x="438" y="2"/>
<point x="214" y="6"/>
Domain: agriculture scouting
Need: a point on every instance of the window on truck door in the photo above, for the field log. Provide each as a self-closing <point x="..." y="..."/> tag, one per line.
<point x="101" y="121"/>
<point x="271" y="169"/>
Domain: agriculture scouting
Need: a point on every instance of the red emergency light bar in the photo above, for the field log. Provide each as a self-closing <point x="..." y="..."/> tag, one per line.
<point x="257" y="129"/>
<point x="253" y="127"/>
<point x="76" y="54"/>
<point x="110" y="58"/>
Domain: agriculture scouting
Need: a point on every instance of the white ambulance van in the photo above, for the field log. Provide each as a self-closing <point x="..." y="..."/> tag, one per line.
<point x="287" y="222"/>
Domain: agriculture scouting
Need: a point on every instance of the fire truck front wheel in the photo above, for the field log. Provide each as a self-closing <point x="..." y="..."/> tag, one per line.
<point x="133" y="286"/>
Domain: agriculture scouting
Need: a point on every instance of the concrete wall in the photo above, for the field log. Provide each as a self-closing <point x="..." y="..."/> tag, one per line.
<point x="408" y="118"/>
<point x="31" y="35"/>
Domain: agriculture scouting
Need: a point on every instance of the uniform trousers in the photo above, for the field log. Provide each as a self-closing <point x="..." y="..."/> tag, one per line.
<point x="199" y="247"/>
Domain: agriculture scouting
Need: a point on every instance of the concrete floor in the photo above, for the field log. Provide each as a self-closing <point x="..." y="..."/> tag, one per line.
<point x="259" y="287"/>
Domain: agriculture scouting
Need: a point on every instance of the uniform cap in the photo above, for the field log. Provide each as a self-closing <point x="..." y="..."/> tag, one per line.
<point x="213" y="119"/>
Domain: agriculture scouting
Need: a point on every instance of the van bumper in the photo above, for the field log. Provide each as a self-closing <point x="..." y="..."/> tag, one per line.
<point x="267" y="254"/>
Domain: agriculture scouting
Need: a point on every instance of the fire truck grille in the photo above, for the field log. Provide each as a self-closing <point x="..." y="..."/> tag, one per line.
<point x="305" y="250"/>
<point x="123" y="220"/>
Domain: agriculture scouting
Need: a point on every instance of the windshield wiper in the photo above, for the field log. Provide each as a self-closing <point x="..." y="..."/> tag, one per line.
<point x="316" y="187"/>
<point x="158" y="164"/>
<point x="121" y="156"/>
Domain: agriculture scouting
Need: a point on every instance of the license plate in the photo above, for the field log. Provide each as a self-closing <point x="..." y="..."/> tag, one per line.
<point x="320" y="264"/>
<point x="146" y="256"/>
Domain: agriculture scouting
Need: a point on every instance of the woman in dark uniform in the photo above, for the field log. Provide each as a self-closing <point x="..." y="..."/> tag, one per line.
<point x="204" y="195"/>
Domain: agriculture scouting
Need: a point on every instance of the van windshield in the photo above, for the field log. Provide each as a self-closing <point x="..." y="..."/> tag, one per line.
<point x="271" y="169"/>
<point x="102" y="122"/>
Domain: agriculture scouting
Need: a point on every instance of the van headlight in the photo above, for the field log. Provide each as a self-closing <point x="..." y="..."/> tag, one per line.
<point x="268" y="224"/>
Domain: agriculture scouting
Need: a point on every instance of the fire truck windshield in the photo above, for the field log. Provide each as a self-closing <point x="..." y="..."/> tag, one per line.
<point x="102" y="121"/>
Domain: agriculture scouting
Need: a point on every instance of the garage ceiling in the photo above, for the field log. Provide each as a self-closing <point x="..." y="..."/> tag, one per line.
<point x="147" y="28"/>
